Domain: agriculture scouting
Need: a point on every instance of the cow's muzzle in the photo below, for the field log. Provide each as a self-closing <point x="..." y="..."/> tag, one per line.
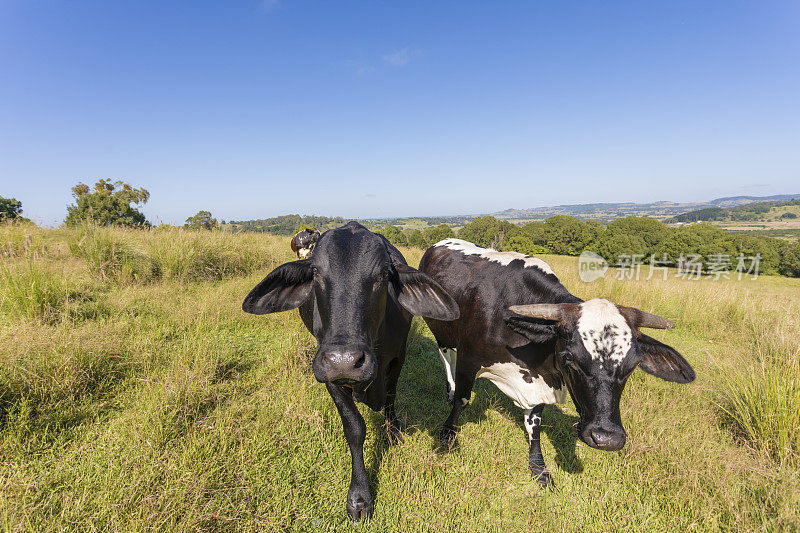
<point x="608" y="439"/>
<point x="344" y="365"/>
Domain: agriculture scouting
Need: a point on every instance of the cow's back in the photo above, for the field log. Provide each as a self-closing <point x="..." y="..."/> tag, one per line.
<point x="485" y="283"/>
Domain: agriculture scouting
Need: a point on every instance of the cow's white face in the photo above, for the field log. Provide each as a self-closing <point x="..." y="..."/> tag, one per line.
<point x="605" y="333"/>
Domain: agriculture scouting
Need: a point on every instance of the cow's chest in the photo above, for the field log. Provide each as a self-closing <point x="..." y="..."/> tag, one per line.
<point x="525" y="391"/>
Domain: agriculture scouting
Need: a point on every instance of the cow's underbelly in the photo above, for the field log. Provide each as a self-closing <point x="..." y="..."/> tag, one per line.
<point x="510" y="378"/>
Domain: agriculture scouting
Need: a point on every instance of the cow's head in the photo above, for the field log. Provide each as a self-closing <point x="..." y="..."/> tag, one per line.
<point x="598" y="345"/>
<point x="304" y="241"/>
<point x="349" y="277"/>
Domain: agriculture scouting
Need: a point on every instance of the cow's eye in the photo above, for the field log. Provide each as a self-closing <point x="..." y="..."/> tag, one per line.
<point x="569" y="360"/>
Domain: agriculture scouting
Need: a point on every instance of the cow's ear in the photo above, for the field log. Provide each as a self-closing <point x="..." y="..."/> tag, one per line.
<point x="664" y="361"/>
<point x="420" y="295"/>
<point x="534" y="329"/>
<point x="286" y="287"/>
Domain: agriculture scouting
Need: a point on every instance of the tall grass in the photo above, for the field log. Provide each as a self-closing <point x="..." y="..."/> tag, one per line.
<point x="169" y="254"/>
<point x="21" y="240"/>
<point x="762" y="405"/>
<point x="30" y="290"/>
<point x="110" y="253"/>
<point x="182" y="255"/>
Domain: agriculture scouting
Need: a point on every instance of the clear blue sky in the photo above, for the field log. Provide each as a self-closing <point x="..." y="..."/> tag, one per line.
<point x="253" y="109"/>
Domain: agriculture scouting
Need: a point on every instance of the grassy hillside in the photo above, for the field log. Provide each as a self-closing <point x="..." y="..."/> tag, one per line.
<point x="135" y="394"/>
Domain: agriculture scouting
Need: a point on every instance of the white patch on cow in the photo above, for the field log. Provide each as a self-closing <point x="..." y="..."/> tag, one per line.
<point x="504" y="258"/>
<point x="304" y="252"/>
<point x="509" y="378"/>
<point x="604" y="331"/>
<point x="448" y="356"/>
<point x="532" y="421"/>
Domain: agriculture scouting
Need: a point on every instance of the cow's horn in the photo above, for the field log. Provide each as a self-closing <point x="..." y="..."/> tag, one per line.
<point x="545" y="311"/>
<point x="649" y="320"/>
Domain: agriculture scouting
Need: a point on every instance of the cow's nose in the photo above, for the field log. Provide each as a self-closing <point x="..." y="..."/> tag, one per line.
<point x="345" y="365"/>
<point x="608" y="440"/>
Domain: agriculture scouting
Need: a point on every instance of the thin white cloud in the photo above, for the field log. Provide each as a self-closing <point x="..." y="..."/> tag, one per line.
<point x="267" y="6"/>
<point x="402" y="57"/>
<point x="359" y="67"/>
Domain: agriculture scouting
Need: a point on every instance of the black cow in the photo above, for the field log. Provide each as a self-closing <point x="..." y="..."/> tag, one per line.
<point x="356" y="295"/>
<point x="304" y="241"/>
<point x="559" y="344"/>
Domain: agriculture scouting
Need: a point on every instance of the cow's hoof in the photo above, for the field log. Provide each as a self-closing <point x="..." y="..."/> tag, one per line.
<point x="447" y="438"/>
<point x="359" y="505"/>
<point x="542" y="476"/>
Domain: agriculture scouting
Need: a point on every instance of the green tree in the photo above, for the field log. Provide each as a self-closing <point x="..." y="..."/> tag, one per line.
<point x="790" y="259"/>
<point x="10" y="209"/>
<point x="488" y="232"/>
<point x="613" y="246"/>
<point x="437" y="233"/>
<point x="523" y="244"/>
<point x="535" y="230"/>
<point x="109" y="203"/>
<point x="394" y="235"/>
<point x="415" y="238"/>
<point x="567" y="235"/>
<point x="649" y="230"/>
<point x="202" y="220"/>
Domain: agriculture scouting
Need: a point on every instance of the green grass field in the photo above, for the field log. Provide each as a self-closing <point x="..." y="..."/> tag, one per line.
<point x="136" y="395"/>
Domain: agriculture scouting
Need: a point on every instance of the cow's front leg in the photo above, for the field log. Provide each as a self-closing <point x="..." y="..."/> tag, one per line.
<point x="465" y="379"/>
<point x="533" y="423"/>
<point x="359" y="499"/>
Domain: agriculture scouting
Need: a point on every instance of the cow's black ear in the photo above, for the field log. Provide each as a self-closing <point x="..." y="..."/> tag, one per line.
<point x="286" y="287"/>
<point x="533" y="329"/>
<point x="420" y="295"/>
<point x="664" y="361"/>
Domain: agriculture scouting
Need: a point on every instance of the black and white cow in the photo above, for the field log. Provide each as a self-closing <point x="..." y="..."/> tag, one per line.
<point x="356" y="295"/>
<point x="304" y="241"/>
<point x="521" y="329"/>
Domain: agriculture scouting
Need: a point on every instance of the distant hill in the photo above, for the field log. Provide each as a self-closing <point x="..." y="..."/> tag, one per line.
<point x="732" y="201"/>
<point x="607" y="212"/>
<point x="749" y="212"/>
<point x="601" y="212"/>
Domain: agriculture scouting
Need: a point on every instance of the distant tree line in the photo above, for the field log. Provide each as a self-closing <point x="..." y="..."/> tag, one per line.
<point x="741" y="213"/>
<point x="286" y="224"/>
<point x="641" y="237"/>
